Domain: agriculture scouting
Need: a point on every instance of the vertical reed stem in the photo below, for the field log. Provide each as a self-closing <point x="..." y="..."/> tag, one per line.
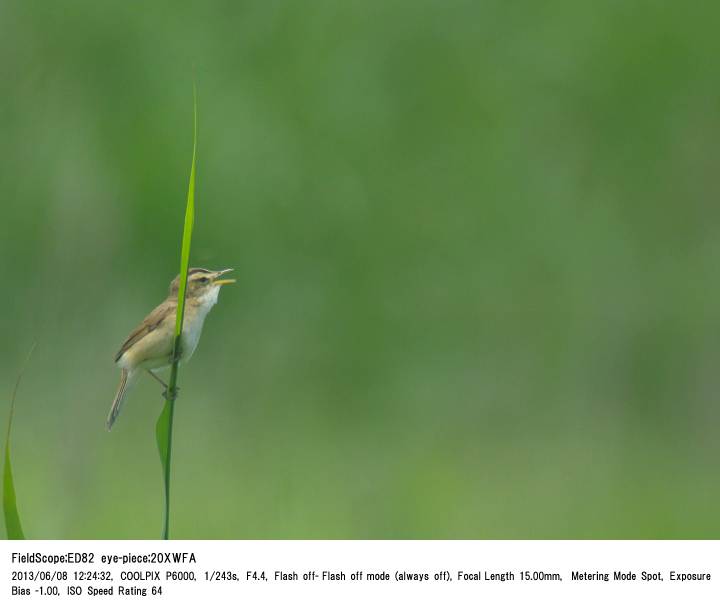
<point x="164" y="426"/>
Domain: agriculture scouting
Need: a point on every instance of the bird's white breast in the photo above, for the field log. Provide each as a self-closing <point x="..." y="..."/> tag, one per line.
<point x="194" y="320"/>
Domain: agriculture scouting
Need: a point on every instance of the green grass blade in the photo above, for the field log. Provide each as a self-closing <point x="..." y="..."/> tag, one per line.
<point x="12" y="516"/>
<point x="163" y="428"/>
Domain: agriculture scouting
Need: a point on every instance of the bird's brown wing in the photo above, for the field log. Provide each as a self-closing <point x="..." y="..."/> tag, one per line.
<point x="157" y="316"/>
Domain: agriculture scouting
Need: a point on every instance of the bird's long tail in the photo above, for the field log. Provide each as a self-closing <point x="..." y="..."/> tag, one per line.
<point x="127" y="380"/>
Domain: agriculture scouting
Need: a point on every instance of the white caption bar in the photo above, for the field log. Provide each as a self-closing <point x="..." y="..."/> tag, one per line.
<point x="356" y="573"/>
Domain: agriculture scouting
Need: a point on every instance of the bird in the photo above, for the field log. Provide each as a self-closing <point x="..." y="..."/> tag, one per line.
<point x="149" y="347"/>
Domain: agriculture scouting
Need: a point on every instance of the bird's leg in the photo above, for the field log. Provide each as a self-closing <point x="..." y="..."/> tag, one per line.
<point x="178" y="355"/>
<point x="158" y="379"/>
<point x="166" y="394"/>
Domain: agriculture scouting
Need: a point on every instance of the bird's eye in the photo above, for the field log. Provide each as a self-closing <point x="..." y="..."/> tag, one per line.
<point x="203" y="280"/>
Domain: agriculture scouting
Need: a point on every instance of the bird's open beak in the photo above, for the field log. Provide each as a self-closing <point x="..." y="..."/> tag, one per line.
<point x="217" y="281"/>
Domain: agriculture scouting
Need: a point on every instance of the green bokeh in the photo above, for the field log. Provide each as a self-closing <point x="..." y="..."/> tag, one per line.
<point x="477" y="248"/>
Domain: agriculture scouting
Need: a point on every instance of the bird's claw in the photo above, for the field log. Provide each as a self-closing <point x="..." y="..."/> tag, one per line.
<point x="171" y="395"/>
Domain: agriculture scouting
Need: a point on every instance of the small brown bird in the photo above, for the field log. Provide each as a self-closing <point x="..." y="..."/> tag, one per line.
<point x="149" y="347"/>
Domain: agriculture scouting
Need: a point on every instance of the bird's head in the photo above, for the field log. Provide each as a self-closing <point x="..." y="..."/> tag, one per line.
<point x="201" y="283"/>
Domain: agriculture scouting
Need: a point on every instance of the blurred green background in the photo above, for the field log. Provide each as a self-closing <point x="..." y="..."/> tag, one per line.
<point x="477" y="246"/>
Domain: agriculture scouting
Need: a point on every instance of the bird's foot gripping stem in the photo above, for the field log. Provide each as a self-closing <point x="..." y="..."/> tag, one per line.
<point x="171" y="395"/>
